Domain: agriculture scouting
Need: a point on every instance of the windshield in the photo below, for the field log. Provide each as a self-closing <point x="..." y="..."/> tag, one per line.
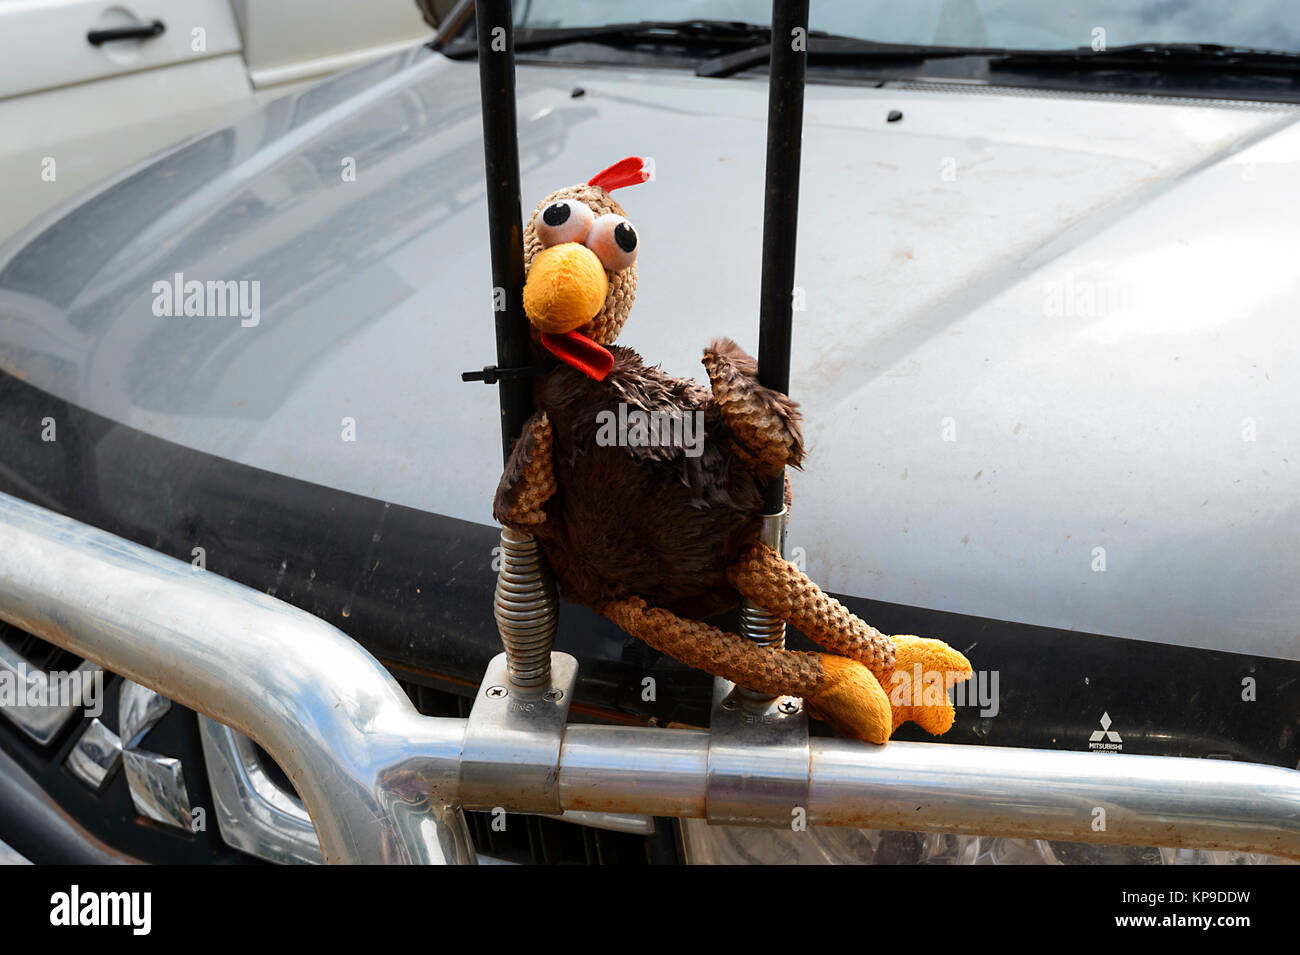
<point x="1012" y="24"/>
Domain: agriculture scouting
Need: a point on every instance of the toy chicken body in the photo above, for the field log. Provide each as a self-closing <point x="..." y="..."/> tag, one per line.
<point x="636" y="513"/>
<point x="643" y="490"/>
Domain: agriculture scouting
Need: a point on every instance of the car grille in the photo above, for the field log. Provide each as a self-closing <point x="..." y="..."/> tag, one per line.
<point x="39" y="653"/>
<point x="524" y="838"/>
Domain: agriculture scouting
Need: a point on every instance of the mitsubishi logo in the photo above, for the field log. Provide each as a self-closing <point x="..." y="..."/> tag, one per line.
<point x="156" y="783"/>
<point x="1105" y="739"/>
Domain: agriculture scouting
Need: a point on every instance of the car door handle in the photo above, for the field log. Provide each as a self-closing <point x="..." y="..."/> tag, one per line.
<point x="143" y="31"/>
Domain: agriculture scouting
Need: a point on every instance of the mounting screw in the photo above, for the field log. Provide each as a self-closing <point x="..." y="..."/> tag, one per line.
<point x="553" y="695"/>
<point x="496" y="692"/>
<point x="729" y="703"/>
<point x="788" y="706"/>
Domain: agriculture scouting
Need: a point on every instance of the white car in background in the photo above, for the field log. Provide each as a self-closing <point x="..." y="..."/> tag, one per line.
<point x="90" y="87"/>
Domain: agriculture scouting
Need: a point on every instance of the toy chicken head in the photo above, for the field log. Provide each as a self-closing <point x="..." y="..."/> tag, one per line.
<point x="580" y="264"/>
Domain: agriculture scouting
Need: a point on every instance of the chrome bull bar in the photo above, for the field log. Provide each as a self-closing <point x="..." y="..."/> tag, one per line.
<point x="382" y="782"/>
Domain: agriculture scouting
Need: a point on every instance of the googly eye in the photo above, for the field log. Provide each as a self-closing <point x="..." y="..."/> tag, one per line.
<point x="614" y="241"/>
<point x="565" y="220"/>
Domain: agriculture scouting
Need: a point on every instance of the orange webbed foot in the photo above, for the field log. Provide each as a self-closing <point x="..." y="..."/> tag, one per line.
<point x="924" y="673"/>
<point x="851" y="699"/>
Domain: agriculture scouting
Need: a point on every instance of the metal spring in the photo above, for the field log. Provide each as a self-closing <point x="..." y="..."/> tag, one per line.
<point x="526" y="609"/>
<point x="765" y="629"/>
<point x="756" y="624"/>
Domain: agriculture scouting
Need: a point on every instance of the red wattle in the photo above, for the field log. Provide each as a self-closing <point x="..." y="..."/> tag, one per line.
<point x="581" y="352"/>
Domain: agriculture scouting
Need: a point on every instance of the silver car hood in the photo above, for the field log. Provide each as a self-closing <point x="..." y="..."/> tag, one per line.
<point x="1044" y="344"/>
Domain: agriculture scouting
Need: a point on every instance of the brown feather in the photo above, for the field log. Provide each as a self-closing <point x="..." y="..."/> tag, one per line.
<point x="651" y="522"/>
<point x="767" y="424"/>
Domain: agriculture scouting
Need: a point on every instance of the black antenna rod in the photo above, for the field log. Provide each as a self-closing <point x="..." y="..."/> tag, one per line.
<point x="496" y="70"/>
<point x="781" y="205"/>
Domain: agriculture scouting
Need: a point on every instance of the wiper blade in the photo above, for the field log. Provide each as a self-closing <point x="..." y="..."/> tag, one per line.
<point x="1158" y="56"/>
<point x="712" y="33"/>
<point x="753" y="42"/>
<point x="831" y="48"/>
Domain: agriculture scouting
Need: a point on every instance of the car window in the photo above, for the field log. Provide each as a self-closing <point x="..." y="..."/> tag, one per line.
<point x="1015" y="24"/>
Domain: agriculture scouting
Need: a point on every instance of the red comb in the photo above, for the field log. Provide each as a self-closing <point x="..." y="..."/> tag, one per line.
<point x="626" y="172"/>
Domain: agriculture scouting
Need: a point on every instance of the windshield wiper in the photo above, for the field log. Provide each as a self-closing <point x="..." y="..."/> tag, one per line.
<point x="751" y="40"/>
<point x="752" y="43"/>
<point x="826" y="48"/>
<point x="710" y="33"/>
<point x="1158" y="56"/>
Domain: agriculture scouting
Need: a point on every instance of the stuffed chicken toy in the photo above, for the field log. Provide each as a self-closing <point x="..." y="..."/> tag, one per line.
<point x="643" y="490"/>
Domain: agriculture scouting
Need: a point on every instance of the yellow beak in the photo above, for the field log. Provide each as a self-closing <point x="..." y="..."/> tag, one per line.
<point x="565" y="289"/>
